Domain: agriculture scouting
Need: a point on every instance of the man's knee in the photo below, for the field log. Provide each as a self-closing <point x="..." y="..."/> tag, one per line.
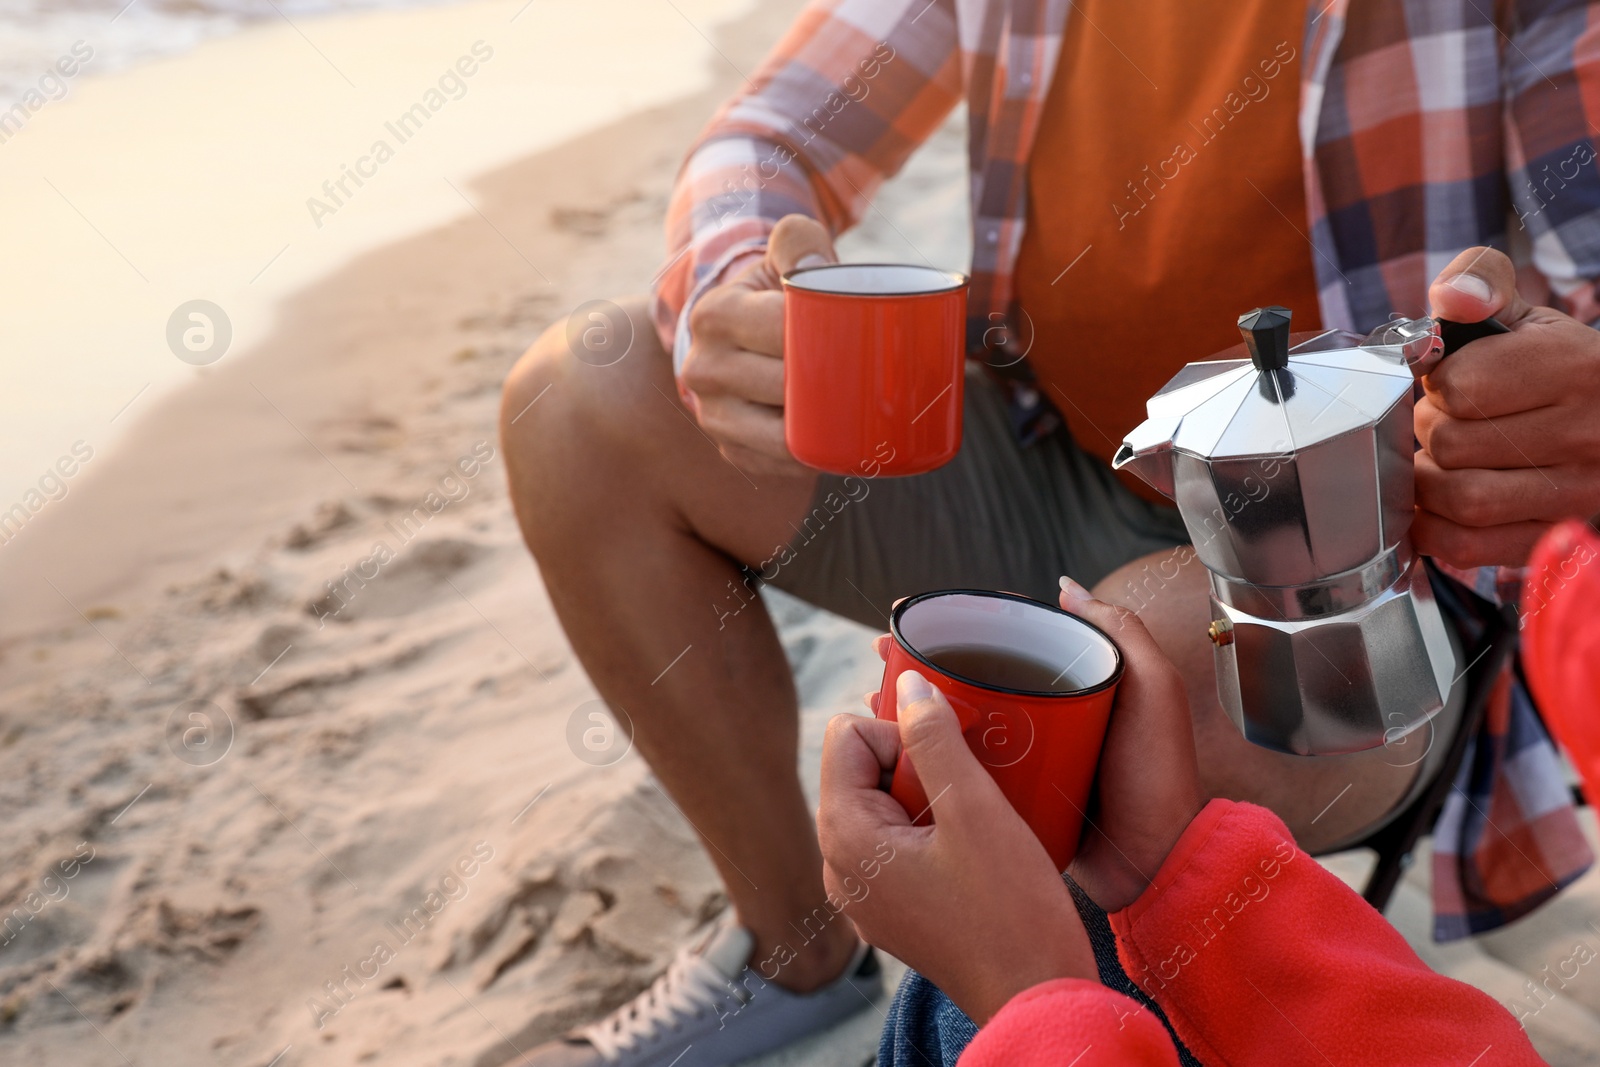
<point x="575" y="385"/>
<point x="531" y="377"/>
<point x="563" y="417"/>
<point x="603" y="338"/>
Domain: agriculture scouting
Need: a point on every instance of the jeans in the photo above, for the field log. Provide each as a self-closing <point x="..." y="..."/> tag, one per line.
<point x="926" y="1029"/>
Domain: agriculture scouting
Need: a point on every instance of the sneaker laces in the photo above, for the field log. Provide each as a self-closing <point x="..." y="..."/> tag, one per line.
<point x="690" y="987"/>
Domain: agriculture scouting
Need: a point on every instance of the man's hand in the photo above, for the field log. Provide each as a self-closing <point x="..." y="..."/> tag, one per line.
<point x="735" y="361"/>
<point x="1509" y="425"/>
<point x="972" y="902"/>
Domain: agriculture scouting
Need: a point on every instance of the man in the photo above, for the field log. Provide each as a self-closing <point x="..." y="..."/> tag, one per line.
<point x="1142" y="173"/>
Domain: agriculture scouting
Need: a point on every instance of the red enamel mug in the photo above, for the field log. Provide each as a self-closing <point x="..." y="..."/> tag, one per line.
<point x="873" y="357"/>
<point x="1040" y="744"/>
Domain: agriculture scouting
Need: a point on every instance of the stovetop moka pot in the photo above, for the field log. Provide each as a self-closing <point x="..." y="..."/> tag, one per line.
<point x="1292" y="469"/>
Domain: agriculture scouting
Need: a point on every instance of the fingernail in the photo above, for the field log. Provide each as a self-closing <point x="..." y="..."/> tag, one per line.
<point x="1074" y="590"/>
<point x="811" y="259"/>
<point x="911" y="687"/>
<point x="1473" y="286"/>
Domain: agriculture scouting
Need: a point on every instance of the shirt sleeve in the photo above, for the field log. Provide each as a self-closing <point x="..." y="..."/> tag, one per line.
<point x="1071" y="1021"/>
<point x="1552" y="86"/>
<point x="836" y="108"/>
<point x="1258" y="955"/>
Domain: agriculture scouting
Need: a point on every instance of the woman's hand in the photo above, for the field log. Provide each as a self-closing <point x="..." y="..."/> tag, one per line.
<point x="972" y="902"/>
<point x="1147" y="788"/>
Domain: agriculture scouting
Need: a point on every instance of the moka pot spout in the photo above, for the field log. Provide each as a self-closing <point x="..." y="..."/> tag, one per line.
<point x="1147" y="452"/>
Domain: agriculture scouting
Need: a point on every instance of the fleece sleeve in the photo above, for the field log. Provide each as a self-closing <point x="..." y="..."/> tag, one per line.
<point x="1071" y="1021"/>
<point x="1259" y="956"/>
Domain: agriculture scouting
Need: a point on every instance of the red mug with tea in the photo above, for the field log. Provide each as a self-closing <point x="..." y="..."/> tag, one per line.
<point x="873" y="358"/>
<point x="1032" y="687"/>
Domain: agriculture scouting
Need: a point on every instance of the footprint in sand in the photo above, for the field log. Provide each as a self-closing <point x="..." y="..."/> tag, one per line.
<point x="420" y="576"/>
<point x="330" y="515"/>
<point x="392" y="581"/>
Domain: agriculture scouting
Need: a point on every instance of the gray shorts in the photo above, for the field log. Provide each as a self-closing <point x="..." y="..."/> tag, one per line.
<point x="999" y="516"/>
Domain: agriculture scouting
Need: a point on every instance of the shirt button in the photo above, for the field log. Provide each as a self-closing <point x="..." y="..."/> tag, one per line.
<point x="994" y="236"/>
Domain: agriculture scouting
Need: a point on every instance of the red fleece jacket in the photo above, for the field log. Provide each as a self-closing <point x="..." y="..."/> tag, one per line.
<point x="1258" y="956"/>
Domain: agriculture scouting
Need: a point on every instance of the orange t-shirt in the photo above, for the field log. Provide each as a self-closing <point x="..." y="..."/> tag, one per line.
<point x="1165" y="199"/>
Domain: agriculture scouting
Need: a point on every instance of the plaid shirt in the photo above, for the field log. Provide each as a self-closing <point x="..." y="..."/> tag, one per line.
<point x="1427" y="127"/>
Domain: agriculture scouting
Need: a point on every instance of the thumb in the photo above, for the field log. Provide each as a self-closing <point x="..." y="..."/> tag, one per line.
<point x="1478" y="283"/>
<point x="794" y="240"/>
<point x="958" y="788"/>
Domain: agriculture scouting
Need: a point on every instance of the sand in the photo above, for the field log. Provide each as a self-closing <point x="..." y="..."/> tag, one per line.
<point x="262" y="789"/>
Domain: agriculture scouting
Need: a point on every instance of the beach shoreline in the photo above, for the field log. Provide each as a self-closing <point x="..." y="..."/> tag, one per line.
<point x="341" y="342"/>
<point x="252" y="167"/>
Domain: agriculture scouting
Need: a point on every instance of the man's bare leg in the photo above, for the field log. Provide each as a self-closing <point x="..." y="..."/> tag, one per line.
<point x="636" y="521"/>
<point x="1324" y="801"/>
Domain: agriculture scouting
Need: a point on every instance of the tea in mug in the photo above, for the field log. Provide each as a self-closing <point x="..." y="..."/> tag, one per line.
<point x="1003" y="669"/>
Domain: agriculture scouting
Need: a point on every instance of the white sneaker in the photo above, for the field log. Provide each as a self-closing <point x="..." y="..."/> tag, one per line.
<point x="711" y="1009"/>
